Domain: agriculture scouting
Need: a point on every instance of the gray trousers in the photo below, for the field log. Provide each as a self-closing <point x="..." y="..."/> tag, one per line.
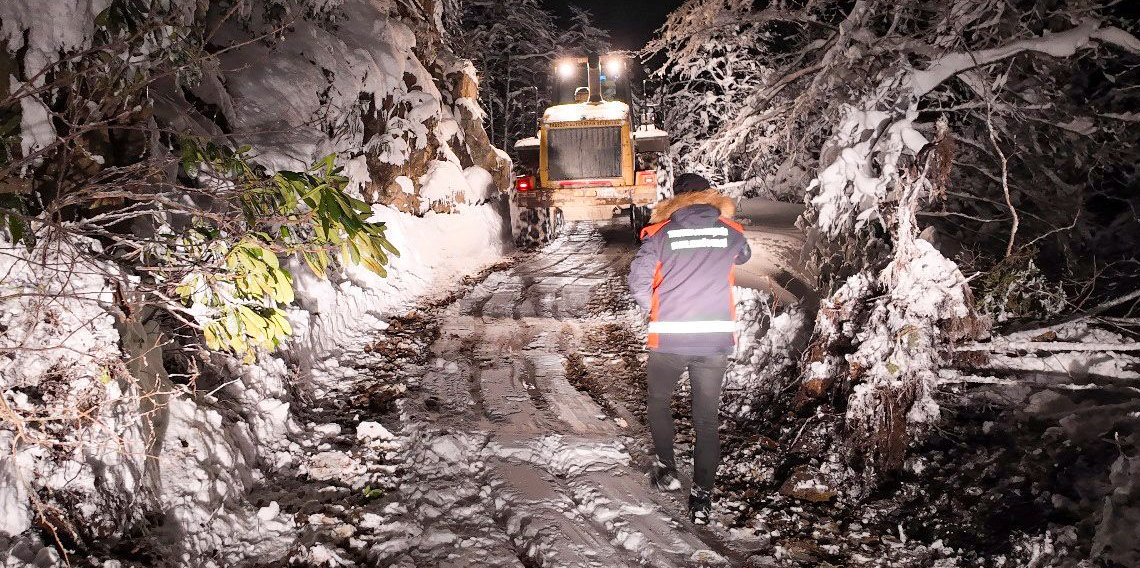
<point x="706" y="373"/>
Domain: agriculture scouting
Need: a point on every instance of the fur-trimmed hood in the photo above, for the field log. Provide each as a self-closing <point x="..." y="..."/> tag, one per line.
<point x="667" y="208"/>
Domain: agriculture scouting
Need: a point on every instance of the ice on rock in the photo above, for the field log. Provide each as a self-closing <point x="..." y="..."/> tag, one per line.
<point x="330" y="465"/>
<point x="707" y="557"/>
<point x="329" y="430"/>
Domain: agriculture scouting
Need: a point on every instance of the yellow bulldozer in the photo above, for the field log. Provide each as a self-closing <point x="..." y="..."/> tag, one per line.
<point x="583" y="165"/>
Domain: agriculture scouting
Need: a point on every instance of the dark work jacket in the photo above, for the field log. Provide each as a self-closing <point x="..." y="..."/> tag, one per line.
<point x="683" y="276"/>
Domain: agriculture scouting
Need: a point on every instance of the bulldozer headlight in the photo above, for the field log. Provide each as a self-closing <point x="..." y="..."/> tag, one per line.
<point x="614" y="67"/>
<point x="566" y="69"/>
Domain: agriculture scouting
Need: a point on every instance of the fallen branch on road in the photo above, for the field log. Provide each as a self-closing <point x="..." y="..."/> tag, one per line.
<point x="1000" y="381"/>
<point x="1010" y="346"/>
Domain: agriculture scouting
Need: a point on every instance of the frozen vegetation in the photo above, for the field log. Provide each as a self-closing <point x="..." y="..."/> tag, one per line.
<point x="257" y="306"/>
<point x="115" y="425"/>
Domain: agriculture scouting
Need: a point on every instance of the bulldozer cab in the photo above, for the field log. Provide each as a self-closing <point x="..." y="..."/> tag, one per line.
<point x="573" y="73"/>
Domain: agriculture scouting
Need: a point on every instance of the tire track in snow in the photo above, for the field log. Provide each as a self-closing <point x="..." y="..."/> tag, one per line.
<point x="504" y="462"/>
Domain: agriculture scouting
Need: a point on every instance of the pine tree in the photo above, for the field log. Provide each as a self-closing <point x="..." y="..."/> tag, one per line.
<point x="514" y="44"/>
<point x="582" y="36"/>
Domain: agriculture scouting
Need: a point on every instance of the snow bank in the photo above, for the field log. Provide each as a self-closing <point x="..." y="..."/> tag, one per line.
<point x="60" y="347"/>
<point x="286" y="98"/>
<point x="98" y="419"/>
<point x="132" y="444"/>
<point x="480" y="185"/>
<point x="434" y="249"/>
<point x="442" y="182"/>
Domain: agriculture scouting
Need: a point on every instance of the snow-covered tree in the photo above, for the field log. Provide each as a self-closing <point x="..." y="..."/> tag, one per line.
<point x="983" y="125"/>
<point x="709" y="69"/>
<point x="514" y="43"/>
<point x="579" y="34"/>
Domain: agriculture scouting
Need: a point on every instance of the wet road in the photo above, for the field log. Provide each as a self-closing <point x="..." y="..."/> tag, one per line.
<point x="511" y="456"/>
<point x="517" y="442"/>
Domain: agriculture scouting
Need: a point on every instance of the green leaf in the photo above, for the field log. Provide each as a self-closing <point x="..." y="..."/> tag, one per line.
<point x="254" y="325"/>
<point x="270" y="258"/>
<point x="376" y="267"/>
<point x="16" y="228"/>
<point x="388" y="246"/>
<point x="211" y="334"/>
<point x="362" y="207"/>
<point x="283" y="287"/>
<point x="231" y="324"/>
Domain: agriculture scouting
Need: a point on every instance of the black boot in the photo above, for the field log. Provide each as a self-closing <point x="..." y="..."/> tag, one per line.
<point x="664" y="477"/>
<point x="700" y="506"/>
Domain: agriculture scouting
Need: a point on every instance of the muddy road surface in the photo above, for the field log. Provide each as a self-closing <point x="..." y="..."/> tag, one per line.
<point x="510" y="430"/>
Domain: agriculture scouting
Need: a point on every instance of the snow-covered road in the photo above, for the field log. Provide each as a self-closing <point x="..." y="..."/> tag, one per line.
<point x="776" y="244"/>
<point x="517" y="441"/>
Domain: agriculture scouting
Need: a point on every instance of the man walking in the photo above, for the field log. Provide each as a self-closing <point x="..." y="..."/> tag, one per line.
<point x="683" y="276"/>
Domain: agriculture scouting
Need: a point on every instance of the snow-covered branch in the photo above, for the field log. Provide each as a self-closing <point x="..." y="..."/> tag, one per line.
<point x="1030" y="346"/>
<point x="1061" y="44"/>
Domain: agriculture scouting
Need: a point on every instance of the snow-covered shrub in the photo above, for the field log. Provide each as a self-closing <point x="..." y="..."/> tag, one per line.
<point x="237" y="287"/>
<point x="769" y="340"/>
<point x="1015" y="288"/>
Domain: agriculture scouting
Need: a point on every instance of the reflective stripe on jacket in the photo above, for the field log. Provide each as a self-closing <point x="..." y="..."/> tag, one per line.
<point x="683" y="276"/>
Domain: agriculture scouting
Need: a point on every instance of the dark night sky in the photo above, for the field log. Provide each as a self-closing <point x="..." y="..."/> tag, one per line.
<point x="631" y="22"/>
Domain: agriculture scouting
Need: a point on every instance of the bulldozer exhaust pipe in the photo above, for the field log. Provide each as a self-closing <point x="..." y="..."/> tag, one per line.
<point x="594" y="70"/>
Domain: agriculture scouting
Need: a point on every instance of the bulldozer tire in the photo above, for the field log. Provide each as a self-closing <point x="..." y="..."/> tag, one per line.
<point x="638" y="220"/>
<point x="535" y="227"/>
<point x="559" y="222"/>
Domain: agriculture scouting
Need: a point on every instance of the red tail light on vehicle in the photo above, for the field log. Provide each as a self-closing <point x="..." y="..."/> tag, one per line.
<point x="524" y="183"/>
<point x="647" y="178"/>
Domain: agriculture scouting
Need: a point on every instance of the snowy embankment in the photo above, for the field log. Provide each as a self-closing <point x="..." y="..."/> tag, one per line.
<point x="105" y="437"/>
